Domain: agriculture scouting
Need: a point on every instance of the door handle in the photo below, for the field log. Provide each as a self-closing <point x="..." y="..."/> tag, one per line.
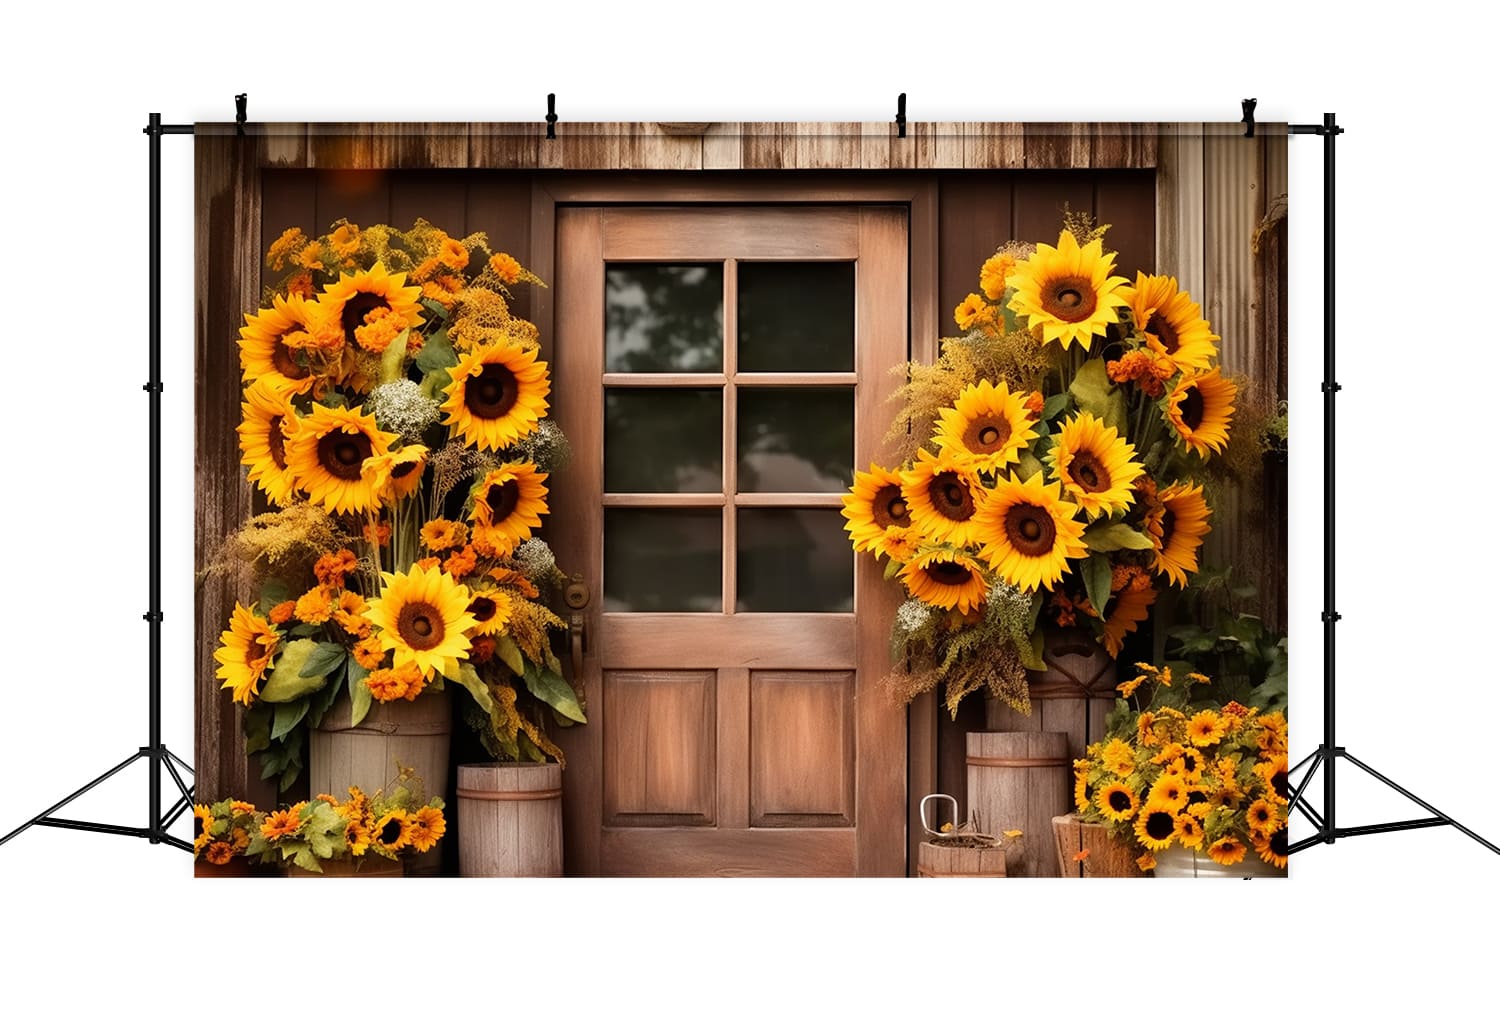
<point x="576" y="596"/>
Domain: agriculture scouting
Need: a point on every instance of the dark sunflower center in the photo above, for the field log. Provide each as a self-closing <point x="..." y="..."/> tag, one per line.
<point x="391" y="832"/>
<point x="482" y="608"/>
<point x="286" y="363"/>
<point x="1192" y="408"/>
<point x="355" y="311"/>
<point x="1070" y="298"/>
<point x="502" y="500"/>
<point x="1278" y="783"/>
<point x="1196" y="797"/>
<point x="1119" y="800"/>
<point x="1089" y="473"/>
<point x="402" y="470"/>
<point x="1160" y="825"/>
<point x="950" y="497"/>
<point x="493" y="393"/>
<point x="255" y="651"/>
<point x="986" y="436"/>
<point x="343" y="455"/>
<point x="421" y="625"/>
<point x="949" y="574"/>
<point x="1278" y="843"/>
<point x="1190" y="760"/>
<point x="1030" y="530"/>
<point x="889" y="507"/>
<point x="1165" y="333"/>
<point x="277" y="442"/>
<point x="1168" y="525"/>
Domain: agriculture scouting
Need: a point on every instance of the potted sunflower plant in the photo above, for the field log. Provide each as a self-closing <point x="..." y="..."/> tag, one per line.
<point x="1195" y="787"/>
<point x="395" y="421"/>
<point x="1050" y="474"/>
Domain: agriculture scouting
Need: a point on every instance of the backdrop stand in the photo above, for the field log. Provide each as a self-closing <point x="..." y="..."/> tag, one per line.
<point x="1329" y="753"/>
<point x="155" y="752"/>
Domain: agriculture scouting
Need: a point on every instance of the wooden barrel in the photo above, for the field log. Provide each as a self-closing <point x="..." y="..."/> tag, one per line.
<point x="935" y="861"/>
<point x="510" y="821"/>
<point x="1107" y="857"/>
<point x="351" y="867"/>
<point x="412" y="733"/>
<point x="1074" y="695"/>
<point x="1021" y="780"/>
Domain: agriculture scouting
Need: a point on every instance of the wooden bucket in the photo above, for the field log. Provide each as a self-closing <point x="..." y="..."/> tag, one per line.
<point x="960" y="862"/>
<point x="1108" y="857"/>
<point x="412" y="733"/>
<point x="1021" y="780"/>
<point x="352" y="867"/>
<point x="1074" y="695"/>
<point x="510" y="821"/>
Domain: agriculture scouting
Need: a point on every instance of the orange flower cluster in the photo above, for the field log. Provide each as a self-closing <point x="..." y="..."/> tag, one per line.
<point x="1149" y="371"/>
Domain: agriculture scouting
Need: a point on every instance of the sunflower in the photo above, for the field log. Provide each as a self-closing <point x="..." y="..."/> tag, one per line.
<point x="1118" y="757"/>
<point x="873" y="508"/>
<point x="327" y="456"/>
<point x="1273" y="774"/>
<point x="1272" y="848"/>
<point x="219" y="853"/>
<point x="1199" y="409"/>
<point x="498" y="394"/>
<point x="508" y="502"/>
<point x="1156" y="825"/>
<point x="1029" y="532"/>
<point x="357" y="834"/>
<point x="1171" y="321"/>
<point x="1067" y="293"/>
<point x="1262" y="817"/>
<point x="1095" y="463"/>
<point x="372" y="306"/>
<point x="987" y="425"/>
<point x="396" y="474"/>
<point x="442" y="534"/>
<point x="1227" y="851"/>
<point x="1117" y="802"/>
<point x="203" y="822"/>
<point x="1169" y="791"/>
<point x="942" y="494"/>
<point x="269" y="421"/>
<point x="1188" y="764"/>
<point x="1127" y="611"/>
<point x="264" y="353"/>
<point x="245" y="652"/>
<point x="1189" y="831"/>
<point x="945" y="578"/>
<point x="1205" y="728"/>
<point x="1081" y="786"/>
<point x="393" y="831"/>
<point x="427" y="827"/>
<point x="422" y="616"/>
<point x="282" y="823"/>
<point x="1177" y="525"/>
<point x="491" y="610"/>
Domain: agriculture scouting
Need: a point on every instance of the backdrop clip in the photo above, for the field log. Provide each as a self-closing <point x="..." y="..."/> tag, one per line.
<point x="1248" y="106"/>
<point x="240" y="101"/>
<point x="552" y="115"/>
<point x="901" y="116"/>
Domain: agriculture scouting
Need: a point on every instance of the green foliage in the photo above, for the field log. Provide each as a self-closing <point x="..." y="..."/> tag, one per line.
<point x="553" y="690"/>
<point x="1246" y="658"/>
<point x="477" y="687"/>
<point x="1093" y="393"/>
<point x="1097" y="573"/>
<point x="1107" y="536"/>
<point x="360" y="697"/>
<point x="393" y="360"/>
<point x="287" y="681"/>
<point x="437" y="353"/>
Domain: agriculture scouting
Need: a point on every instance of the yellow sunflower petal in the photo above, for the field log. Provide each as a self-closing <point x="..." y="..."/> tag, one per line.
<point x="1199" y="409"/>
<point x="988" y="425"/>
<point x="1066" y="294"/>
<point x="1172" y="322"/>
<point x="1096" y="465"/>
<point x="498" y="395"/>
<point x="945" y="579"/>
<point x="327" y="456"/>
<point x="423" y="618"/>
<point x="1029" y="532"/>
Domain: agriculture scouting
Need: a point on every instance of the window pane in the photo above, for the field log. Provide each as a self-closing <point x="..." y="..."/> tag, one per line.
<point x="796" y="316"/>
<point x="796" y="439"/>
<point x="663" y="317"/>
<point x="794" y="560"/>
<point x="663" y="561"/>
<point x="663" y="439"/>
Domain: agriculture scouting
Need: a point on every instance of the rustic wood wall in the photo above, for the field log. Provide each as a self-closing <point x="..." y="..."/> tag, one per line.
<point x="992" y="182"/>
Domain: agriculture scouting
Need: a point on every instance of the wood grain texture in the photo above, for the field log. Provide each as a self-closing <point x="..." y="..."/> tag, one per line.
<point x="636" y="233"/>
<point x="737" y="853"/>
<point x="502" y="833"/>
<point x="802" y="767"/>
<point x="659" y="730"/>
<point x="960" y="862"/>
<point x="1021" y="781"/>
<point x="1107" y="856"/>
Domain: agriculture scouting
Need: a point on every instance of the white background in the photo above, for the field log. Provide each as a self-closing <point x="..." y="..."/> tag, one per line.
<point x="1386" y="925"/>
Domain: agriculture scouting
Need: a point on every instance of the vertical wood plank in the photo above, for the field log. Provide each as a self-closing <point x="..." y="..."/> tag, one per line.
<point x="1058" y="146"/>
<point x="974" y="220"/>
<point x="500" y="206"/>
<point x="1179" y="209"/>
<point x="438" y="197"/>
<point x="988" y="146"/>
<point x="1040" y="200"/>
<point x="1126" y="200"/>
<point x="723" y="149"/>
<point x="361" y="196"/>
<point x="734" y="747"/>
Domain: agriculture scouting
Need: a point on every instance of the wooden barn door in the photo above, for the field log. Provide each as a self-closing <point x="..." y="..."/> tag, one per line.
<point x="720" y="372"/>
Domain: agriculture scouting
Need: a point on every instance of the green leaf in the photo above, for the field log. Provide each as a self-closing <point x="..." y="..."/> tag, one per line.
<point x="507" y="651"/>
<point x="287" y="683"/>
<point x="892" y="567"/>
<point x="288" y="716"/>
<point x="528" y="749"/>
<point x="1054" y="405"/>
<point x="319" y="703"/>
<point x="1092" y="391"/>
<point x="435" y="383"/>
<point x="257" y="727"/>
<point x="324" y="660"/>
<point x="305" y="629"/>
<point x="305" y="860"/>
<point x="437" y="353"/>
<point x="392" y="363"/>
<point x="553" y="690"/>
<point x="469" y="680"/>
<point x="1031" y="656"/>
<point x="1028" y="467"/>
<point x="436" y="308"/>
<point x="1113" y="537"/>
<point x="1097" y="575"/>
<point x="272" y="593"/>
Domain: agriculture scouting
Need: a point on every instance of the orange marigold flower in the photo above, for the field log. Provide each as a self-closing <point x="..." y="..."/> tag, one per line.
<point x="1034" y="403"/>
<point x="380" y="328"/>
<point x="442" y="534"/>
<point x="285" y="247"/>
<point x="388" y="684"/>
<point x="482" y="650"/>
<point x="461" y="563"/>
<point x="283" y="611"/>
<point x="345" y="240"/>
<point x="301" y="285"/>
<point x="332" y="567"/>
<point x="454" y="253"/>
<point x="973" y="312"/>
<point x="994" y="272"/>
<point x="380" y="533"/>
<point x="219" y="852"/>
<point x="426" y="269"/>
<point x="1234" y="707"/>
<point x="512" y="578"/>
<point x="314" y="607"/>
<point x="369" y="653"/>
<point x="430" y="562"/>
<point x="308" y="257"/>
<point x="506" y="266"/>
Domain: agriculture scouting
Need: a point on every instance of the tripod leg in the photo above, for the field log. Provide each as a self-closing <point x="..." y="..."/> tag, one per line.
<point x="1299" y="793"/>
<point x="1481" y="840"/>
<point x="182" y="787"/>
<point x="180" y="762"/>
<point x="174" y="812"/>
<point x="1297" y="767"/>
<point x="75" y="795"/>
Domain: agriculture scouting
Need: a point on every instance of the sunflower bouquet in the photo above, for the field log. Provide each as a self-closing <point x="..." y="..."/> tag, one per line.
<point x="1207" y="777"/>
<point x="312" y="832"/>
<point x="1052" y="467"/>
<point x="222" y="831"/>
<point x="394" y="420"/>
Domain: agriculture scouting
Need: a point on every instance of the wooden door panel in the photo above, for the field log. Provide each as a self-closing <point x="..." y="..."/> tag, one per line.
<point x="769" y="641"/>
<point x="802" y="765"/>
<point x="659" y="739"/>
<point x="747" y="853"/>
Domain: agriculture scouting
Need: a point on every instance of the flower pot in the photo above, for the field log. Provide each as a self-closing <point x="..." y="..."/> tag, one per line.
<point x="1108" y="857"/>
<point x="352" y="867"/>
<point x="1020" y="780"/>
<point x="1074" y="695"/>
<point x="510" y="821"/>
<point x="1180" y="862"/>
<point x="238" y="867"/>
<point x="412" y="734"/>
<point x="935" y="861"/>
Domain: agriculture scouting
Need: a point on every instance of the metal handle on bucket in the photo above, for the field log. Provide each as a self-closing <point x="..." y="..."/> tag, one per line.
<point x="922" y="809"/>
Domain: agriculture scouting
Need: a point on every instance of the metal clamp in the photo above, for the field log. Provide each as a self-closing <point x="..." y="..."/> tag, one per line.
<point x="1248" y="106"/>
<point x="552" y="115"/>
<point x="901" y="116"/>
<point x="240" y="102"/>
